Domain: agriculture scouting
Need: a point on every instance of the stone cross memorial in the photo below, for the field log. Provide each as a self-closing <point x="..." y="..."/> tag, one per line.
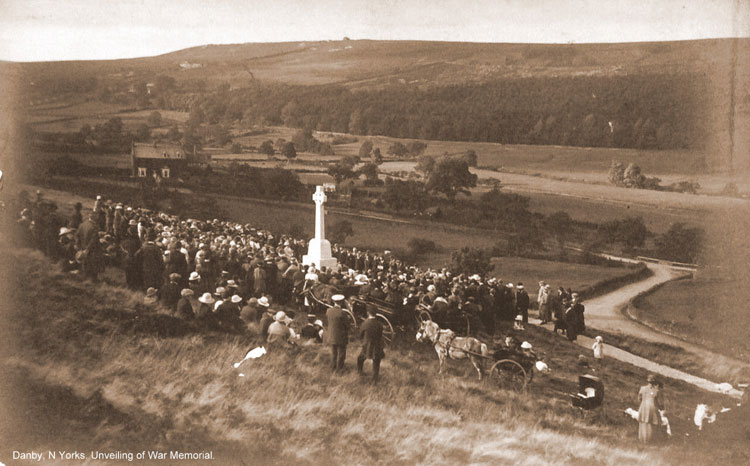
<point x="319" y="248"/>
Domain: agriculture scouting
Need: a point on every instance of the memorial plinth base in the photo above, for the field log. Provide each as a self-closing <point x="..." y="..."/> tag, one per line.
<point x="319" y="254"/>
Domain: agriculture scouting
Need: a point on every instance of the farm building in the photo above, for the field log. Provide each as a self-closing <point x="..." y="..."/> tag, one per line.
<point x="161" y="160"/>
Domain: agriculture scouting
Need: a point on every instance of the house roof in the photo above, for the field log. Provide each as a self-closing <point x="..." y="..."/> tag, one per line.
<point x="157" y="151"/>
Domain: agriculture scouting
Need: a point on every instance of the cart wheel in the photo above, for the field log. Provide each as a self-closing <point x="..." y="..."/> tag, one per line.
<point x="388" y="332"/>
<point x="352" y="319"/>
<point x="508" y="375"/>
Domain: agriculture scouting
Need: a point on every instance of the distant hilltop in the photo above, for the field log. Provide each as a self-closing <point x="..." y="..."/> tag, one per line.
<point x="651" y="95"/>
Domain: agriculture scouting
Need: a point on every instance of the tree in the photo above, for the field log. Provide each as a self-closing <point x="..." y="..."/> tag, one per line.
<point x="425" y="164"/>
<point x="191" y="142"/>
<point x="632" y="177"/>
<point x="416" y="148"/>
<point x="326" y="148"/>
<point x="451" y="177"/>
<point x="405" y="195"/>
<point x="174" y="134"/>
<point x="154" y="119"/>
<point x="370" y="170"/>
<point x="342" y="170"/>
<point x="283" y="184"/>
<point x="304" y="141"/>
<point x="289" y="151"/>
<point x="196" y="117"/>
<point x="165" y="83"/>
<point x="141" y="95"/>
<point x="616" y="174"/>
<point x="526" y="237"/>
<point x="365" y="149"/>
<point x="631" y="232"/>
<point x="560" y="224"/>
<point x="143" y="132"/>
<point x="471" y="158"/>
<point x="397" y="149"/>
<point x="471" y="260"/>
<point x="267" y="148"/>
<point x="355" y="122"/>
<point x="109" y="134"/>
<point x="680" y="243"/>
<point x="339" y="231"/>
<point x="290" y="114"/>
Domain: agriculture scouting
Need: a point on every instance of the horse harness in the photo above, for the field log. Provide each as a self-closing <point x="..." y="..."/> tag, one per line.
<point x="449" y="343"/>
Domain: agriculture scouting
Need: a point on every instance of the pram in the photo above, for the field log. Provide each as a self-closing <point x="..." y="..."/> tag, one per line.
<point x="590" y="392"/>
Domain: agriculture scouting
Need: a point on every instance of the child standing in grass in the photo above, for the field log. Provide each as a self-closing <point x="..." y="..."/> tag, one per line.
<point x="598" y="348"/>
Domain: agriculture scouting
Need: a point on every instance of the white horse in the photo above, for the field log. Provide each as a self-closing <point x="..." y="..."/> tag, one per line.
<point x="448" y="345"/>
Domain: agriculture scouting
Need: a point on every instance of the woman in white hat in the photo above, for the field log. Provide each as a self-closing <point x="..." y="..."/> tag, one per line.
<point x="207" y="306"/>
<point x="194" y="282"/>
<point x="268" y="315"/>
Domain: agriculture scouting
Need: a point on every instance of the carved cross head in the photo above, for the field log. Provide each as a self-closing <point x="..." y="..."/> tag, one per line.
<point x="319" y="197"/>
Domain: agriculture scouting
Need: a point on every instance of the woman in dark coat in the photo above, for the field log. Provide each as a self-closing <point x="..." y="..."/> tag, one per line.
<point x="574" y="318"/>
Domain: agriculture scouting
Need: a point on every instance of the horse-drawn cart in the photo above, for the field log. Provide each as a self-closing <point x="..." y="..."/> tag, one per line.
<point x="512" y="368"/>
<point x="318" y="297"/>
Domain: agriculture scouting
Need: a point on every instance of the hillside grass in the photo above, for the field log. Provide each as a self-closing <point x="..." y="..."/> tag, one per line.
<point x="88" y="367"/>
<point x="664" y="353"/>
<point x="710" y="312"/>
<point x="567" y="275"/>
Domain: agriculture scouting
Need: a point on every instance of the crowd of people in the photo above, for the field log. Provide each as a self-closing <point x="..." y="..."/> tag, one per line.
<point x="231" y="275"/>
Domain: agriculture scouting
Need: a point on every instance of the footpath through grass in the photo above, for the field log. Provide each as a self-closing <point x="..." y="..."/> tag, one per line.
<point x="89" y="368"/>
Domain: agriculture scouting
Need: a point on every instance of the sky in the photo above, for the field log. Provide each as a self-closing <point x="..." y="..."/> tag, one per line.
<point x="42" y="30"/>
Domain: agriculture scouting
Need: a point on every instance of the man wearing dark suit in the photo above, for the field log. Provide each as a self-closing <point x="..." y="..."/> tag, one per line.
<point x="371" y="334"/>
<point x="338" y="332"/>
<point x="170" y="293"/>
<point x="87" y="240"/>
<point x="522" y="303"/>
<point x="152" y="264"/>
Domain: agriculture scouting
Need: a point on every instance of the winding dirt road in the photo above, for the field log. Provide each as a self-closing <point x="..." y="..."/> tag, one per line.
<point x="604" y="312"/>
